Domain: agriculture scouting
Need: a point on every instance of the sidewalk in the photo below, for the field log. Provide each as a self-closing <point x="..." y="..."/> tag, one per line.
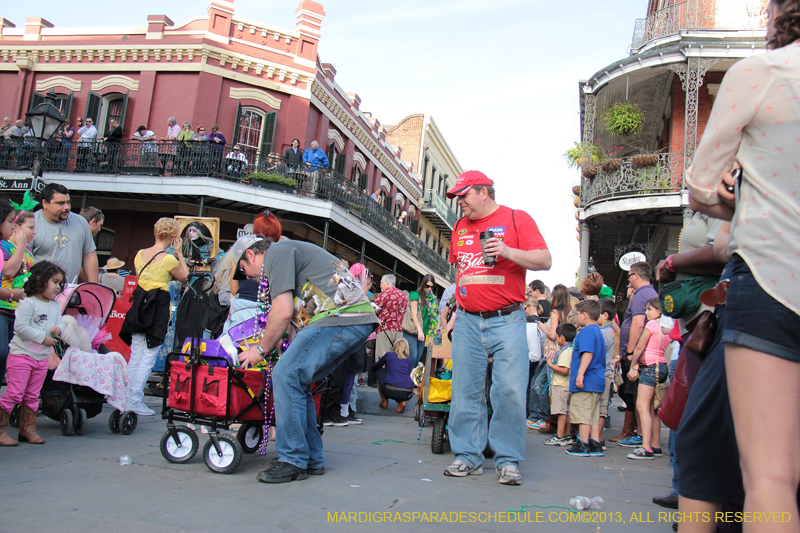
<point x="77" y="484"/>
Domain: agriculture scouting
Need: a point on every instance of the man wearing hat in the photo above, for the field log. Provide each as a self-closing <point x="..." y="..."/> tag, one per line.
<point x="111" y="276"/>
<point x="308" y="289"/>
<point x="490" y="324"/>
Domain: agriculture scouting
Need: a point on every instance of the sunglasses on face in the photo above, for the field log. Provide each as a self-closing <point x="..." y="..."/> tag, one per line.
<point x="428" y="286"/>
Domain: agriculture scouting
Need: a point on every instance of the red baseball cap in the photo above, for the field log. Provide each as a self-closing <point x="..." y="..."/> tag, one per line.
<point x="467" y="180"/>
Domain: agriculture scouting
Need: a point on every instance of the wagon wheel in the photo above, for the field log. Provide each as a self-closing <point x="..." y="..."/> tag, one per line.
<point x="250" y="436"/>
<point x="229" y="457"/>
<point x="182" y="449"/>
<point x="438" y="438"/>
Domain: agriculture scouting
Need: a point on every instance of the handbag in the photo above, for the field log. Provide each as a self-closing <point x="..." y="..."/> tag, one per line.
<point x="408" y="319"/>
<point x="680" y="299"/>
<point x="661" y="388"/>
<point x="671" y="410"/>
<point x="703" y="332"/>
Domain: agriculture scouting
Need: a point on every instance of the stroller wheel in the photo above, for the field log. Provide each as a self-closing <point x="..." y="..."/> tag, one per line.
<point x="182" y="450"/>
<point x="229" y="458"/>
<point x="80" y="422"/>
<point x="113" y="421"/>
<point x="128" y="422"/>
<point x="249" y="436"/>
<point x="67" y="427"/>
<point x="13" y="421"/>
<point x="438" y="438"/>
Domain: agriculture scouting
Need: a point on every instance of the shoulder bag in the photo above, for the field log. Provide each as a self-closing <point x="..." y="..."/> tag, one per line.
<point x="408" y="318"/>
<point x="661" y="388"/>
<point x="674" y="403"/>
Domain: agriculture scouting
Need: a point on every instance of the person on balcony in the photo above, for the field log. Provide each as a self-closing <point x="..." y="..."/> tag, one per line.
<point x="88" y="134"/>
<point x="236" y="162"/>
<point x="184" y="149"/>
<point x="293" y="156"/>
<point x="147" y="138"/>
<point x="314" y="158"/>
<point x="112" y="144"/>
<point x="65" y="136"/>
<point x="168" y="144"/>
<point x="216" y="143"/>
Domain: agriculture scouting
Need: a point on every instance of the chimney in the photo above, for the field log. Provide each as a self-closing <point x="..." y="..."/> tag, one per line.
<point x="5" y="23"/>
<point x="156" y="25"/>
<point x="330" y="72"/>
<point x="220" y="15"/>
<point x="33" y="29"/>
<point x="309" y="26"/>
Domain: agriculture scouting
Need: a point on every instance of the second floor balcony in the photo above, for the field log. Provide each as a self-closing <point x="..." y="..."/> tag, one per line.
<point x="633" y="177"/>
<point x="699" y="15"/>
<point x="242" y="167"/>
<point x="438" y="212"/>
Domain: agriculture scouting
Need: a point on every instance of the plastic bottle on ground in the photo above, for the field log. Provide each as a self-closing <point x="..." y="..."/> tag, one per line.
<point x="125" y="460"/>
<point x="582" y="502"/>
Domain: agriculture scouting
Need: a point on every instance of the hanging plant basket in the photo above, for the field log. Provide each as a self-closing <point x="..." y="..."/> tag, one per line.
<point x="589" y="172"/>
<point x="576" y="190"/>
<point x="575" y="159"/>
<point x="612" y="165"/>
<point x="576" y="201"/>
<point x="645" y="160"/>
<point x="624" y="119"/>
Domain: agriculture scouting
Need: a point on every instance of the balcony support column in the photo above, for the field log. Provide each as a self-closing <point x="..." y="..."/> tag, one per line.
<point x="691" y="76"/>
<point x="584" y="249"/>
<point x="325" y="236"/>
<point x="589" y="111"/>
<point x="363" y="249"/>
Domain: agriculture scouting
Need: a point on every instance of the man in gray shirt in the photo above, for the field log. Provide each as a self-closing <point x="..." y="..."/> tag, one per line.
<point x="64" y="237"/>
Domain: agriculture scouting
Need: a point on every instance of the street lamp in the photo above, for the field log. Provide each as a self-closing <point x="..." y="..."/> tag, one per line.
<point x="45" y="121"/>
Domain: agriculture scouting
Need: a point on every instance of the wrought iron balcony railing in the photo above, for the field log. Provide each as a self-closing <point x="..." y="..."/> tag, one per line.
<point x="221" y="162"/>
<point x="699" y="15"/>
<point x="630" y="181"/>
<point x="434" y="200"/>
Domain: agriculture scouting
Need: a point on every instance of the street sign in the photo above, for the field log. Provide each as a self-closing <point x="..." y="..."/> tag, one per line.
<point x="629" y="259"/>
<point x="13" y="184"/>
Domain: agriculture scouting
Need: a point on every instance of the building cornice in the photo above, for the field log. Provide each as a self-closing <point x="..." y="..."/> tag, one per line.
<point x="368" y="143"/>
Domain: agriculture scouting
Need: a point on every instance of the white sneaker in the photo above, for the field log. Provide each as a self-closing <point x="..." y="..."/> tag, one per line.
<point x="509" y="475"/>
<point x="140" y="409"/>
<point x="461" y="469"/>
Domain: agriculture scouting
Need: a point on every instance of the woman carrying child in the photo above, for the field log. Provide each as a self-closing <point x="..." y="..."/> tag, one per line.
<point x="649" y="358"/>
<point x="394" y="381"/>
<point x="36" y="326"/>
<point x="16" y="232"/>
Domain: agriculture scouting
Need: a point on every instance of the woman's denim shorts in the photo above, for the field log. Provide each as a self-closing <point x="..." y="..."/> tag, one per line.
<point x="647" y="374"/>
<point x="755" y="320"/>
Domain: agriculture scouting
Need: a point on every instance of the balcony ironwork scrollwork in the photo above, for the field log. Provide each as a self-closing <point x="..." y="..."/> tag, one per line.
<point x="629" y="181"/>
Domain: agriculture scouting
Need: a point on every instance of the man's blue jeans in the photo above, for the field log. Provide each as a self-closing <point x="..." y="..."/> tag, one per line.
<point x="475" y="340"/>
<point x="315" y="352"/>
<point x="539" y="403"/>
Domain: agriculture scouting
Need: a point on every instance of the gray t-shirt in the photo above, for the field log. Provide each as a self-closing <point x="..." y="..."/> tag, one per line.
<point x="325" y="293"/>
<point x="64" y="243"/>
<point x="608" y="337"/>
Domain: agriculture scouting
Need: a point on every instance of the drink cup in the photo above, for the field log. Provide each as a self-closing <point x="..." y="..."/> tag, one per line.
<point x="488" y="260"/>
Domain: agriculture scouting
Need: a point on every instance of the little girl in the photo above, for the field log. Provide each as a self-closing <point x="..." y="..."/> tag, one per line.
<point x="17" y="232"/>
<point x="37" y="325"/>
<point x="649" y="356"/>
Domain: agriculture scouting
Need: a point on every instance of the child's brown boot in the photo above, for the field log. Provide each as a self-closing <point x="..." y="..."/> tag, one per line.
<point x="5" y="439"/>
<point x="27" y="426"/>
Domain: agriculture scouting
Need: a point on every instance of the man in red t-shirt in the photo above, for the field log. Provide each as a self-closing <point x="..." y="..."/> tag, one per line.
<point x="490" y="325"/>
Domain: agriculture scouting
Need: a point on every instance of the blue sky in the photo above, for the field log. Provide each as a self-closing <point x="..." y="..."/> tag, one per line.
<point x="499" y="77"/>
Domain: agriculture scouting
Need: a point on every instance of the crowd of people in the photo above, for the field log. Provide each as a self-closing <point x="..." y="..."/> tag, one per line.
<point x="736" y="265"/>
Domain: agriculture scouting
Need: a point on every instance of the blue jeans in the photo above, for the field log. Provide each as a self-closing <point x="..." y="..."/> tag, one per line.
<point x="315" y="352"/>
<point x="539" y="403"/>
<point x="416" y="348"/>
<point x="671" y="442"/>
<point x="475" y="340"/>
<point x="6" y="332"/>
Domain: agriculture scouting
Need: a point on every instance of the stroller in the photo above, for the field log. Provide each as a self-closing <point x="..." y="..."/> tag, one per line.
<point x="73" y="405"/>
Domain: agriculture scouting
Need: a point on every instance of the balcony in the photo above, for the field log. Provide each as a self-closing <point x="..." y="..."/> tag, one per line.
<point x="630" y="181"/>
<point x="437" y="210"/>
<point x="715" y="15"/>
<point x="221" y="163"/>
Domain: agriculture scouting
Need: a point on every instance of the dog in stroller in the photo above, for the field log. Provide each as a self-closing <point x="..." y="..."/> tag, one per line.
<point x="69" y="398"/>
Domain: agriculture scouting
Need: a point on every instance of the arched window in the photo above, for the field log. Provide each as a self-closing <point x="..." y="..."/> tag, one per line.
<point x="254" y="130"/>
